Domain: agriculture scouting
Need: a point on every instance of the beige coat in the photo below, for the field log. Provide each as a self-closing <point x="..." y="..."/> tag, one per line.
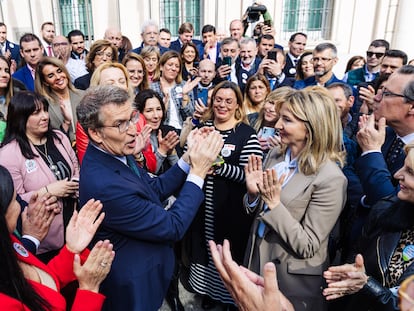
<point x="297" y="232"/>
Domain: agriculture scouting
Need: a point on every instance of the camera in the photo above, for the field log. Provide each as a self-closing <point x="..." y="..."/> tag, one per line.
<point x="254" y="12"/>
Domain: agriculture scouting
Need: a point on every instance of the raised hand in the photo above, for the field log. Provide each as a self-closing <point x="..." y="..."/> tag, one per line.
<point x="368" y="137"/>
<point x="95" y="269"/>
<point x="142" y="138"/>
<point x="203" y="153"/>
<point x="38" y="215"/>
<point x="345" y="279"/>
<point x="254" y="176"/>
<point x="83" y="225"/>
<point x="250" y="291"/>
<point x="271" y="188"/>
<point x="167" y="143"/>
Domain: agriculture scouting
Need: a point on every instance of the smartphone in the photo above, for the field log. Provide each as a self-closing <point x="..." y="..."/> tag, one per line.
<point x="272" y="55"/>
<point x="267" y="132"/>
<point x="203" y="95"/>
<point x="196" y="64"/>
<point x="227" y="60"/>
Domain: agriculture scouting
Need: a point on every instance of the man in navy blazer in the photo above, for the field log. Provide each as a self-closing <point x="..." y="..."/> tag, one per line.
<point x="31" y="50"/>
<point x="9" y="49"/>
<point x="210" y="47"/>
<point x="185" y="35"/>
<point x="395" y="103"/>
<point x="141" y="231"/>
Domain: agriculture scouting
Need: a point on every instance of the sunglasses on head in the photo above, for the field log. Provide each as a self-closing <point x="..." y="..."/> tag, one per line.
<point x="377" y="54"/>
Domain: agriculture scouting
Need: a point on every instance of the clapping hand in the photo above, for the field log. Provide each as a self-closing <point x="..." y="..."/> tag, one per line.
<point x="142" y="138"/>
<point x="96" y="267"/>
<point x="271" y="188"/>
<point x="83" y="225"/>
<point x="368" y="137"/>
<point x="38" y="215"/>
<point x="167" y="143"/>
<point x="254" y="176"/>
<point x="250" y="291"/>
<point x="345" y="279"/>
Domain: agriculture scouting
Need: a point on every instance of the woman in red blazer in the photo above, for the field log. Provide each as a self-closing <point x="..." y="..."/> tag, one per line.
<point x="28" y="284"/>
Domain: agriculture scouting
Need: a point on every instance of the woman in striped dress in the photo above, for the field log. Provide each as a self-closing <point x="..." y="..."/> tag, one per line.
<point x="222" y="216"/>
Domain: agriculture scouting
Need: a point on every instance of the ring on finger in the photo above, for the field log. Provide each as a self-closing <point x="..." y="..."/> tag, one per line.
<point x="103" y="264"/>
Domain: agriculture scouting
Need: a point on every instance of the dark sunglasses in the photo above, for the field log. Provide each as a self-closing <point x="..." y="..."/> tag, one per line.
<point x="377" y="54"/>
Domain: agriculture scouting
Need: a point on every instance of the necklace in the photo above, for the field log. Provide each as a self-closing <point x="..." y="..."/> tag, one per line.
<point x="53" y="167"/>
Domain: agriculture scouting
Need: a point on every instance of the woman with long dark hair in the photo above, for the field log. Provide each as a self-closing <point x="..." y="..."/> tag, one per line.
<point x="40" y="160"/>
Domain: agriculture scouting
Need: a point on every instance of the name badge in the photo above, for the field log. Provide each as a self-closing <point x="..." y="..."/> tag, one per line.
<point x="31" y="166"/>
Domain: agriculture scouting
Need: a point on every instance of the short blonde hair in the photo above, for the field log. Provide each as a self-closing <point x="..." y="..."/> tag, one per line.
<point x="96" y="76"/>
<point x="317" y="110"/>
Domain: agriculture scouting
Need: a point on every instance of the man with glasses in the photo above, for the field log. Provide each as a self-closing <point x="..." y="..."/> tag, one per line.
<point x="370" y="70"/>
<point x="137" y="224"/>
<point x="324" y="59"/>
<point x="382" y="147"/>
<point x="61" y="50"/>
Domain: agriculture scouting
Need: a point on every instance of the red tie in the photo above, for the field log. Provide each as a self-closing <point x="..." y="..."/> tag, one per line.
<point x="49" y="49"/>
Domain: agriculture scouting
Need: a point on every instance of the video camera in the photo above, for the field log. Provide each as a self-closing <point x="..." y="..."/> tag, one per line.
<point x="254" y="12"/>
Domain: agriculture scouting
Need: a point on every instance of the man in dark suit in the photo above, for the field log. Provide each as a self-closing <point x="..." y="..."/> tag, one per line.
<point x="31" y="50"/>
<point x="150" y="35"/>
<point x="8" y="49"/>
<point x="141" y="231"/>
<point x="297" y="44"/>
<point x="210" y="47"/>
<point x="382" y="149"/>
<point x="185" y="35"/>
<point x="273" y="70"/>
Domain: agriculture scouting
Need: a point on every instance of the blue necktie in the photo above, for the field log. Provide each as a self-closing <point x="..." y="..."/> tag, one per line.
<point x="133" y="166"/>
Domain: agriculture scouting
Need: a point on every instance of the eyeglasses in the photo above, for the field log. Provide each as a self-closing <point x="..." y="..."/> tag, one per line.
<point x="322" y="59"/>
<point x="385" y="93"/>
<point x="101" y="53"/>
<point x="377" y="54"/>
<point x="123" y="126"/>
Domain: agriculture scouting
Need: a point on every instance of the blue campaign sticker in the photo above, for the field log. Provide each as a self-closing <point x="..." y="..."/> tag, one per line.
<point x="408" y="252"/>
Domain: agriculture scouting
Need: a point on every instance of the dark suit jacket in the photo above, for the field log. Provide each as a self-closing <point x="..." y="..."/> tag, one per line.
<point x="176" y="45"/>
<point x="82" y="83"/>
<point x="24" y="76"/>
<point x="14" y="50"/>
<point x="290" y="68"/>
<point x="301" y="84"/>
<point x="200" y="49"/>
<point x="137" y="224"/>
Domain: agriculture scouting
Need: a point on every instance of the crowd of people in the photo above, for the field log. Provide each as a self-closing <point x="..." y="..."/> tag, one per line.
<point x="125" y="171"/>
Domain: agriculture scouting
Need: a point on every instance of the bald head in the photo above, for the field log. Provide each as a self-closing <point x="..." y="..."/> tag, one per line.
<point x="114" y="35"/>
<point x="206" y="71"/>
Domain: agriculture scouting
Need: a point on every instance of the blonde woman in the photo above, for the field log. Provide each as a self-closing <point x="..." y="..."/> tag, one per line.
<point x="299" y="196"/>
